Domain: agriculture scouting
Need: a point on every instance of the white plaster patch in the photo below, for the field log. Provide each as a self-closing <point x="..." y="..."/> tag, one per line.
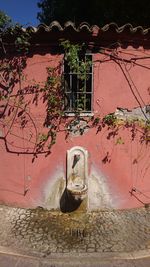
<point x="99" y="196"/>
<point x="54" y="189"/>
<point x="78" y="127"/>
<point x="134" y="114"/>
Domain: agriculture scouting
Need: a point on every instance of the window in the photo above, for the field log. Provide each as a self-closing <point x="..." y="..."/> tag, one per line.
<point x="78" y="88"/>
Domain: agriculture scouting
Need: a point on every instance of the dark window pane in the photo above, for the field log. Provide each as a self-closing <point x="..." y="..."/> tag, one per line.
<point x="66" y="67"/>
<point x="89" y="83"/>
<point x="67" y="102"/>
<point x="78" y="89"/>
<point x="88" y="102"/>
<point x="82" y="57"/>
<point x="67" y="82"/>
<point x="74" y="100"/>
<point x="81" y="85"/>
<point x="74" y="82"/>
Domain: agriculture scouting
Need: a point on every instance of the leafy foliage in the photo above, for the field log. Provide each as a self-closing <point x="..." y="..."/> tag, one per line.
<point x="5" y="21"/>
<point x="53" y="95"/>
<point x="95" y="12"/>
<point x="14" y="105"/>
<point x="21" y="37"/>
<point x="76" y="63"/>
<point x="79" y="65"/>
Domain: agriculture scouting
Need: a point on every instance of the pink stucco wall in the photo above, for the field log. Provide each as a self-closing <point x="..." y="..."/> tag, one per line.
<point x="119" y="167"/>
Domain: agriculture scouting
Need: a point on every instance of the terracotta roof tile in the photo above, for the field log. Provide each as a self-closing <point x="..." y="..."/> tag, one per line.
<point x="55" y="25"/>
<point x="93" y="35"/>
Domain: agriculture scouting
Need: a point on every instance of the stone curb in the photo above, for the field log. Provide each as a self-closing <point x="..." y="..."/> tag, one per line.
<point x="141" y="254"/>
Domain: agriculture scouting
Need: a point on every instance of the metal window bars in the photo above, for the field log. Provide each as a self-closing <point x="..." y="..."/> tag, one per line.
<point x="78" y="89"/>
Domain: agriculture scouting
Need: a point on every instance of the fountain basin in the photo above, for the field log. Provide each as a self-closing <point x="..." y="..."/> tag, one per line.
<point x="76" y="187"/>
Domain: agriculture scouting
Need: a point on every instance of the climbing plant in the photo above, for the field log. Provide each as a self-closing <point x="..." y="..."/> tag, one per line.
<point x="73" y="55"/>
<point x="11" y="73"/>
<point x="14" y="105"/>
<point x="15" y="89"/>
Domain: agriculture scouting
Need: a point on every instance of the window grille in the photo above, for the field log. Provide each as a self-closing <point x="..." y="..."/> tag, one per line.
<point x="78" y="88"/>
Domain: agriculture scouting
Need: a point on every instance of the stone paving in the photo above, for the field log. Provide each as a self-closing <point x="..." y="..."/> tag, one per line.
<point x="45" y="233"/>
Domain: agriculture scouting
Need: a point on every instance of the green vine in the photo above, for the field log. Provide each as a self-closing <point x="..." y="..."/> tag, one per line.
<point x="114" y="124"/>
<point x="11" y="73"/>
<point x="79" y="64"/>
<point x="73" y="55"/>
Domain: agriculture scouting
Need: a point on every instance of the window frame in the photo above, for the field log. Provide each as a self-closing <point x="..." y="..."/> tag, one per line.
<point x="80" y="112"/>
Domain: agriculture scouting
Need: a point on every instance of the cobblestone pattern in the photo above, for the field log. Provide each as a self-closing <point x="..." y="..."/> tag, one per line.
<point x="48" y="232"/>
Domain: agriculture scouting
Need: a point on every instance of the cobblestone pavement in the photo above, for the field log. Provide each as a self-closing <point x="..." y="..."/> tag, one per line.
<point x="44" y="232"/>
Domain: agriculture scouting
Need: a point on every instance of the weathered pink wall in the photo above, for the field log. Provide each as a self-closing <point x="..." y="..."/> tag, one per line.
<point x="29" y="184"/>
